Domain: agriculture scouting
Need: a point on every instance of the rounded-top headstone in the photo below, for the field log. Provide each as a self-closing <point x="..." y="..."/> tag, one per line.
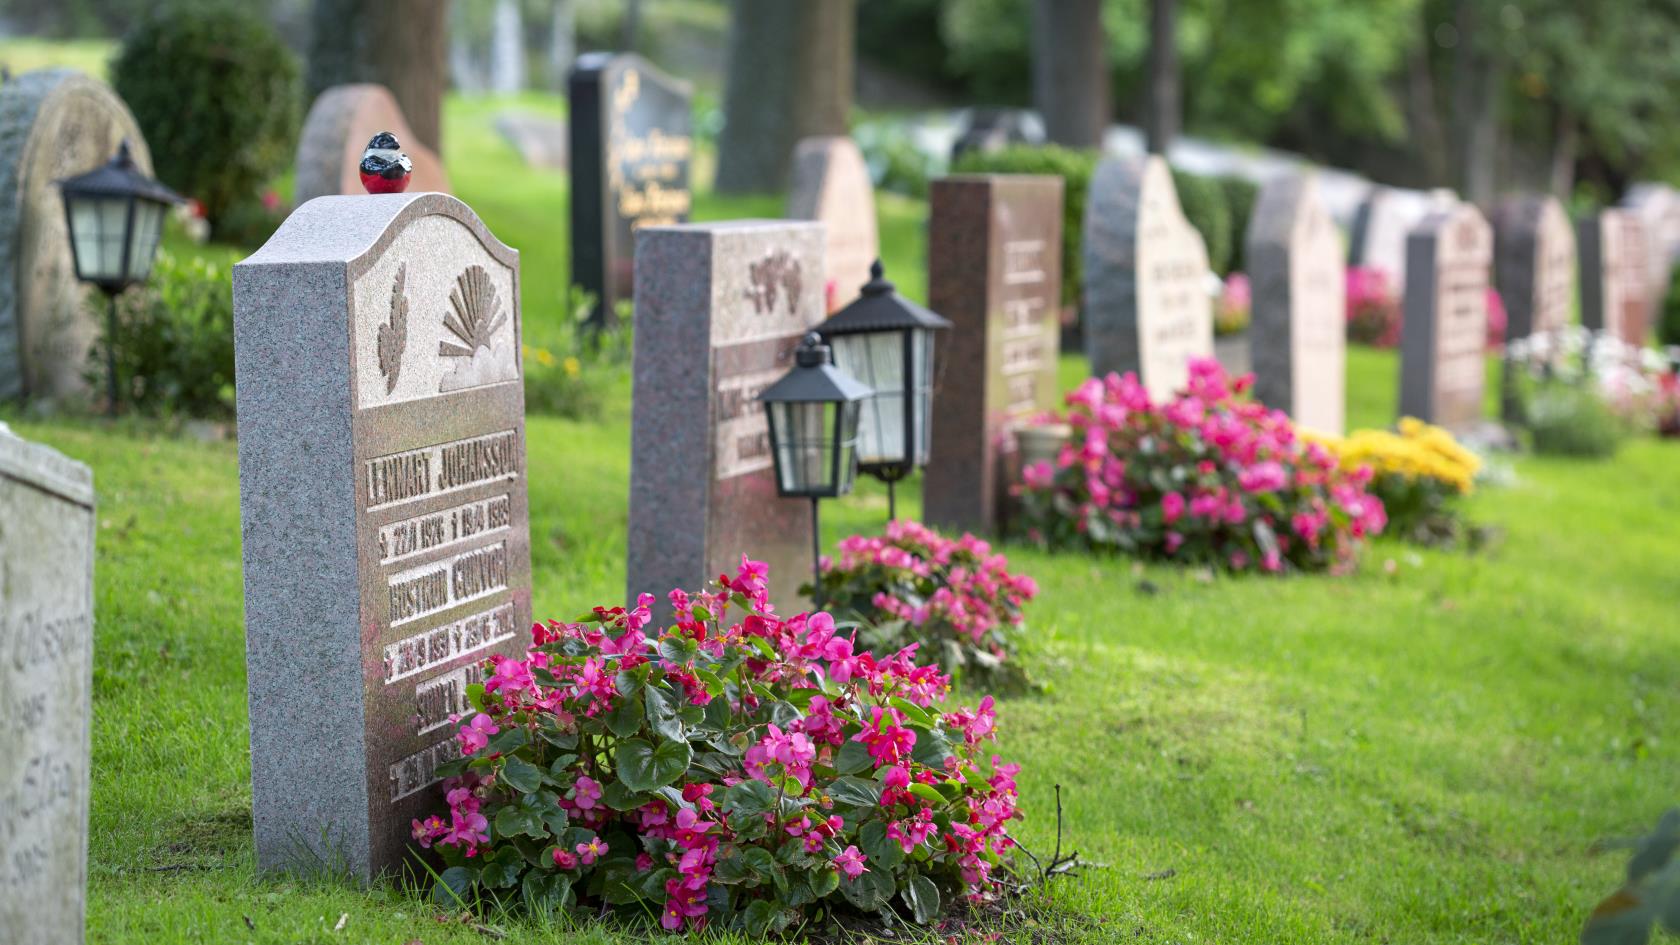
<point x="54" y="123"/>
<point x="340" y="124"/>
<point x="831" y="185"/>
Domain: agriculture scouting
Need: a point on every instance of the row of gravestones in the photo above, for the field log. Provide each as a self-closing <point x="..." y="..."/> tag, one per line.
<point x="383" y="464"/>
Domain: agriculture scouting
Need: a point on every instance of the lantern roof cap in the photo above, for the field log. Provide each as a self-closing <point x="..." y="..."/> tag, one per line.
<point x="879" y="307"/>
<point x="815" y="379"/>
<point x="119" y="177"/>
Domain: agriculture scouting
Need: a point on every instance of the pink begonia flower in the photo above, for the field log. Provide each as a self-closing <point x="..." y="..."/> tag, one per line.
<point x="511" y="677"/>
<point x="850" y="861"/>
<point x="589" y="852"/>
<point x="564" y="860"/>
<point x="475" y="735"/>
<point x="684" y="902"/>
<point x="644" y="862"/>
<point x="585" y="793"/>
<point x="1172" y="507"/>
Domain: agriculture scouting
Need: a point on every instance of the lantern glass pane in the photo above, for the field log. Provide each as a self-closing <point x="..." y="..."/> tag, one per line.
<point x="877" y="359"/>
<point x="97" y="228"/>
<point x="143" y="243"/>
<point x="921" y="355"/>
<point x="850" y="415"/>
<point x="805" y="442"/>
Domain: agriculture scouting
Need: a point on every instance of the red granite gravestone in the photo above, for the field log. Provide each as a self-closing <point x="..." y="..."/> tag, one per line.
<point x="994" y="269"/>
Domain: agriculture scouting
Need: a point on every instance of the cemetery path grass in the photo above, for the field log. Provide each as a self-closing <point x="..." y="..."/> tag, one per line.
<point x="1422" y="756"/>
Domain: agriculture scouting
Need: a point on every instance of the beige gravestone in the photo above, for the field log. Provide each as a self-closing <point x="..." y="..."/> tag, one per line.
<point x="1615" y="275"/>
<point x="336" y="132"/>
<point x="1444" y="339"/>
<point x="1658" y="207"/>
<point x="1534" y="265"/>
<point x="1298" y="281"/>
<point x="1147" y="302"/>
<point x="54" y="123"/>
<point x="46" y="668"/>
<point x="831" y="185"/>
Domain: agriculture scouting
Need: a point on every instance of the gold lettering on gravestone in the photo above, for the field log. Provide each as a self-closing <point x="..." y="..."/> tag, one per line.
<point x="432" y="588"/>
<point x="419" y="770"/>
<point x="435" y="530"/>
<point x="645" y="172"/>
<point x="428" y="649"/>
<point x="436" y="700"/>
<point x="441" y="469"/>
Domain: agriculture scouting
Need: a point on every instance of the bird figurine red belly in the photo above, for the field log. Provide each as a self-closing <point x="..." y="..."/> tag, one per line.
<point x="384" y="168"/>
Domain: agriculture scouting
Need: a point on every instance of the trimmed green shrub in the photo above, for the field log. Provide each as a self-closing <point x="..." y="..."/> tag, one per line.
<point x="216" y="94"/>
<point x="1240" y="197"/>
<point x="1668" y="324"/>
<point x="1569" y="420"/>
<point x="173" y="341"/>
<point x="1204" y="206"/>
<point x="1074" y="168"/>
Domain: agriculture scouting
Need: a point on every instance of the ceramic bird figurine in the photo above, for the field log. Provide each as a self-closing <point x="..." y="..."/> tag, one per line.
<point x="385" y="169"/>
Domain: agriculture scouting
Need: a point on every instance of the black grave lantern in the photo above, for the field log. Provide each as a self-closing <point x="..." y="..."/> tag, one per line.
<point x="886" y="341"/>
<point x="813" y="414"/>
<point x="115" y="218"/>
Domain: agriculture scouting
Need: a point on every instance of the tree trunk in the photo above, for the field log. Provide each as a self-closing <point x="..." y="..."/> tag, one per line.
<point x="562" y="43"/>
<point x="1163" y="111"/>
<point x="1475" y="107"/>
<point x="632" y="25"/>
<point x="1428" y="140"/>
<point x="790" y="76"/>
<point x="1070" y="71"/>
<point x="360" y="41"/>
<point x="507" y="48"/>
<point x="1565" y="142"/>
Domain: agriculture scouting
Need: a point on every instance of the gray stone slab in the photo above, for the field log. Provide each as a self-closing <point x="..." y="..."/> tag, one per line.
<point x="383" y="500"/>
<point x="994" y="270"/>
<point x="1298" y="286"/>
<point x="539" y="139"/>
<point x="1147" y="302"/>
<point x="54" y="123"/>
<point x="831" y="185"/>
<point x="1616" y="295"/>
<point x="720" y="309"/>
<point x="336" y="132"/>
<point x="1443" y="342"/>
<point x="46" y="678"/>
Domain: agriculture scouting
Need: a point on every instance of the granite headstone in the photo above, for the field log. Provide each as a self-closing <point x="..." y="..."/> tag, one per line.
<point x="1147" y="305"/>
<point x="994" y="270"/>
<point x="46" y="679"/>
<point x="831" y="185"/>
<point x="631" y="136"/>
<point x="383" y="495"/>
<point x="1444" y="338"/>
<point x="1658" y="207"/>
<point x="336" y="132"/>
<point x="1378" y="236"/>
<point x="1298" y="286"/>
<point x="720" y="310"/>
<point x="1533" y="265"/>
<point x="1615" y="275"/>
<point x="54" y="123"/>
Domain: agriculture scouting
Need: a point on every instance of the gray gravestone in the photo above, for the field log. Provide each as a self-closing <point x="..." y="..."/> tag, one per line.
<point x="1381" y="225"/>
<point x="336" y="132"/>
<point x="382" y="491"/>
<point x="1147" y="305"/>
<point x="1443" y="341"/>
<point x="831" y="185"/>
<point x="1615" y="275"/>
<point x="995" y="270"/>
<point x="46" y="677"/>
<point x="54" y="123"/>
<point x="1534" y="265"/>
<point x="1298" y="285"/>
<point x="720" y="309"/>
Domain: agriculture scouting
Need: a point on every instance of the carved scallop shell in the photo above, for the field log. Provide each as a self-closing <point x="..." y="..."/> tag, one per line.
<point x="477" y="314"/>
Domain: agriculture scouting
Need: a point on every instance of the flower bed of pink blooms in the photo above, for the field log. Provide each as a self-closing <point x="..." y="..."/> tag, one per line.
<point x="954" y="597"/>
<point x="1209" y="477"/>
<point x="738" y="770"/>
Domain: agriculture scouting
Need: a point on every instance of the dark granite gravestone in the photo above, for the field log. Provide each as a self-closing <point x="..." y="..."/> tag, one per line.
<point x="1298" y="286"/>
<point x="631" y="143"/>
<point x="1444" y="337"/>
<point x="54" y="123"/>
<point x="46" y="680"/>
<point x="994" y="270"/>
<point x="1615" y="275"/>
<point x="1533" y="265"/>
<point x="382" y="490"/>
<point x="831" y="185"/>
<point x="1147" y="305"/>
<point x="720" y="309"/>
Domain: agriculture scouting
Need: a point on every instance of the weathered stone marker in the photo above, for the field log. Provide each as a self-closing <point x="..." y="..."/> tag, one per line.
<point x="1615" y="275"/>
<point x="1381" y="224"/>
<point x="1533" y="265"/>
<point x="1444" y="339"/>
<point x="337" y="130"/>
<point x="631" y="141"/>
<point x="994" y="270"/>
<point x="54" y="123"/>
<point x="720" y="309"/>
<point x="831" y="185"/>
<point x="383" y="495"/>
<point x="1147" y="307"/>
<point x="1298" y="281"/>
<point x="46" y="679"/>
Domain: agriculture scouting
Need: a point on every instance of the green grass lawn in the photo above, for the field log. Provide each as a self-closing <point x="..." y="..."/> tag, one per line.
<point x="1417" y="756"/>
